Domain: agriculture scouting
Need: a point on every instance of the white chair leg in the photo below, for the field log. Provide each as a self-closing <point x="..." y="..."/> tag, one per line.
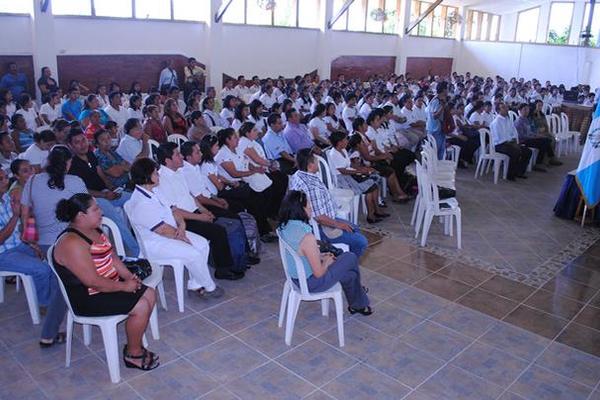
<point x="161" y="295"/>
<point x="154" y="323"/>
<point x="419" y="222"/>
<point x="293" y="305"/>
<point x="2" y="278"/>
<point x="17" y="283"/>
<point x="69" y="339"/>
<point x="451" y="223"/>
<point x="32" y="300"/>
<point x="178" y="272"/>
<point x="144" y="340"/>
<point x="355" y="209"/>
<point x="325" y="307"/>
<point x="284" y="303"/>
<point x="505" y="166"/>
<point x="87" y="334"/>
<point x="426" y="226"/>
<point x="458" y="229"/>
<point x="339" y="314"/>
<point x="363" y="204"/>
<point x="479" y="163"/>
<point x="413" y="218"/>
<point x="111" y="343"/>
<point x="496" y="171"/>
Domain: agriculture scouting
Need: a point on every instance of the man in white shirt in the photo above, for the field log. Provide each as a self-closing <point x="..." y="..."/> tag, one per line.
<point x="349" y="112"/>
<point x="268" y="98"/>
<point x="229" y="90"/>
<point x="173" y="191"/>
<point x="168" y="76"/>
<point x="505" y="141"/>
<point x="117" y="112"/>
<point x="134" y="145"/>
<point x="7" y="152"/>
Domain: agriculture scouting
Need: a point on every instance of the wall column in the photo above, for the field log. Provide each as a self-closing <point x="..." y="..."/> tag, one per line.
<point x="214" y="48"/>
<point x="43" y="40"/>
<point x="324" y="53"/>
<point x="404" y="22"/>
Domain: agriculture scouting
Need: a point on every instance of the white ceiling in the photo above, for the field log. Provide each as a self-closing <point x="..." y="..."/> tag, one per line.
<point x="496" y="6"/>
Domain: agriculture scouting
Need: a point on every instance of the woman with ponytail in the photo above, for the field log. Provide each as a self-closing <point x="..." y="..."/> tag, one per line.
<point x="96" y="281"/>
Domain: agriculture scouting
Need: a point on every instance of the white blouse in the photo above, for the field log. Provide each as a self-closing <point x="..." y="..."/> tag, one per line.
<point x="321" y="127"/>
<point x="207" y="169"/>
<point x="225" y="154"/>
<point x="246" y="143"/>
<point x="338" y="160"/>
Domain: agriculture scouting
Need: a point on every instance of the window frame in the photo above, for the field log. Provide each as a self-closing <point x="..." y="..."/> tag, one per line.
<point x="478" y="37"/>
<point x="18" y="14"/>
<point x="382" y="4"/>
<point x="537" y="26"/>
<point x="570" y="23"/>
<point x="444" y="15"/>
<point x="132" y="17"/>
<point x="584" y="25"/>
<point x="272" y="24"/>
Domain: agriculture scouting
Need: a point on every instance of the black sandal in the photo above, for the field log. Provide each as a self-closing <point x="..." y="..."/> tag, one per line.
<point x="152" y="354"/>
<point x="60" y="338"/>
<point x="147" y="365"/>
<point x="364" y="311"/>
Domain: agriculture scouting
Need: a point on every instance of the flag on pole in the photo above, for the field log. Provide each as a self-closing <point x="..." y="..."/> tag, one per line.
<point x="588" y="172"/>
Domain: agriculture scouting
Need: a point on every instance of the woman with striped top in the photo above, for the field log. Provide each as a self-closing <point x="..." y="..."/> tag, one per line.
<point x="96" y="281"/>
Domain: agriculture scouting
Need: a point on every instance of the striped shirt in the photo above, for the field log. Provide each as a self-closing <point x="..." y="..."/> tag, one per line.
<point x="102" y="257"/>
<point x="6" y="214"/>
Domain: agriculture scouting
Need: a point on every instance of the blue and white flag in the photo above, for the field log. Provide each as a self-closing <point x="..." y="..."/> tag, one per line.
<point x="588" y="172"/>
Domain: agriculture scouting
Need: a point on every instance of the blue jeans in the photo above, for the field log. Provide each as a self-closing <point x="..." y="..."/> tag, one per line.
<point x="113" y="209"/>
<point x="57" y="308"/>
<point x="22" y="259"/>
<point x="440" y="140"/>
<point x="355" y="240"/>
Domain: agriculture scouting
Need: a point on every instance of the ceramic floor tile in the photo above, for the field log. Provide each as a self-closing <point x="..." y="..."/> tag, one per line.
<point x="554" y="304"/>
<point x="536" y="321"/>
<point x="11" y="369"/>
<point x="590" y="317"/>
<point x="581" y="338"/>
<point x="465" y="273"/>
<point x="455" y="384"/>
<point x="442" y="286"/>
<point x="119" y="392"/>
<point x="490" y="363"/>
<point x="516" y="341"/>
<point x="20" y="388"/>
<point x="381" y="286"/>
<point x="571" y="363"/>
<point x="318" y="395"/>
<point x="488" y="303"/>
<point x="37" y="360"/>
<point x="436" y="340"/>
<point x="570" y="288"/>
<point x="270" y="381"/>
<point x="365" y="383"/>
<point x="190" y="334"/>
<point x="403" y="272"/>
<point x="583" y="275"/>
<point x="226" y="359"/>
<point x="540" y="384"/>
<point x="405" y="363"/>
<point x="418" y="302"/>
<point x="464" y="320"/>
<point x="219" y="393"/>
<point x="230" y="317"/>
<point x="177" y="380"/>
<point x="507" y="288"/>
<point x="391" y="320"/>
<point x="424" y="259"/>
<point x="269" y="338"/>
<point x="316" y="361"/>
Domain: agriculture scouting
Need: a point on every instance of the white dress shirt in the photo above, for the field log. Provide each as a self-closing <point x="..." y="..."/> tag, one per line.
<point x="502" y="130"/>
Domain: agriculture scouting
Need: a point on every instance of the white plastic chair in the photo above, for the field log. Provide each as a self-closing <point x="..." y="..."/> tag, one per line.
<point x="292" y="295"/>
<point x="107" y="325"/>
<point x="343" y="197"/>
<point x="30" y="293"/>
<point x="177" y="138"/>
<point x="154" y="281"/>
<point x="432" y="206"/>
<point x="152" y="147"/>
<point x="547" y="108"/>
<point x="512" y="115"/>
<point x="566" y="130"/>
<point x="176" y="263"/>
<point x="488" y="154"/>
<point x="562" y="138"/>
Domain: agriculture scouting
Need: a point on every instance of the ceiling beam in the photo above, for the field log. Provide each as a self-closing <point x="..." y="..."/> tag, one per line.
<point x="338" y="15"/>
<point x="224" y="6"/>
<point x="423" y="16"/>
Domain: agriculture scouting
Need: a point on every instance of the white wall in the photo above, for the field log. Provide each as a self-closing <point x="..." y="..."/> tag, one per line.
<point x="267" y="51"/>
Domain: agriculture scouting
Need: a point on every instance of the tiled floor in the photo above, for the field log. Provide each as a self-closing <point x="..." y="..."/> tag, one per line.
<point x="443" y="329"/>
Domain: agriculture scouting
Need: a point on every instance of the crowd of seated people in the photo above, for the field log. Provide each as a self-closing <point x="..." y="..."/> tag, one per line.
<point x="250" y="162"/>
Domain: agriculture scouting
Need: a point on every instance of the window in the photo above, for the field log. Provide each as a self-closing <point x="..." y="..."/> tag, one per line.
<point x="559" y="26"/>
<point x="527" y="25"/>
<point x="292" y="13"/>
<point x="186" y="10"/>
<point x="377" y="16"/>
<point x="482" y="26"/>
<point x="595" y="24"/>
<point x="113" y="8"/>
<point x="441" y="22"/>
<point x="16" y="7"/>
<point x="70" y="7"/>
<point x="154" y="9"/>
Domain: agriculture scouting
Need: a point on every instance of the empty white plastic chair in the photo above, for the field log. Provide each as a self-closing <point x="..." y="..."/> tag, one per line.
<point x="30" y="293"/>
<point x="152" y="148"/>
<point x="433" y="206"/>
<point x="562" y="138"/>
<point x="575" y="135"/>
<point x="512" y="115"/>
<point x="107" y="325"/>
<point x="294" y="295"/>
<point x="343" y="197"/>
<point x="177" y="138"/>
<point x="489" y="155"/>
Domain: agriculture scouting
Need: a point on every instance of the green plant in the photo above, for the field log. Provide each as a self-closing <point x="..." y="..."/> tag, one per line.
<point x="555" y="38"/>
